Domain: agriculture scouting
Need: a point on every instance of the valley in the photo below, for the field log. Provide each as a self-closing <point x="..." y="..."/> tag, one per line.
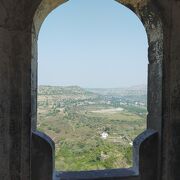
<point x="92" y="128"/>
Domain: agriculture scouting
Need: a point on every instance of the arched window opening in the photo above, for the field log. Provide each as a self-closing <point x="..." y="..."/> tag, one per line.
<point x="92" y="94"/>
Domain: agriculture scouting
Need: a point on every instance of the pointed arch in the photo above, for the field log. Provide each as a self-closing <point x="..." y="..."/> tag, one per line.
<point x="151" y="19"/>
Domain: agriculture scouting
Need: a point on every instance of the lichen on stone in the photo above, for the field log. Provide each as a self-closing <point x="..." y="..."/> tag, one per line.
<point x="136" y="4"/>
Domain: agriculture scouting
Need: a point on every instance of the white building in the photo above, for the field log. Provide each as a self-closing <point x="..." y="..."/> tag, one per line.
<point x="104" y="135"/>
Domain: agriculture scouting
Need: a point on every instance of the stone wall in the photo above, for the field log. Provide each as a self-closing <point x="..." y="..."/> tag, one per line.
<point x="20" y="21"/>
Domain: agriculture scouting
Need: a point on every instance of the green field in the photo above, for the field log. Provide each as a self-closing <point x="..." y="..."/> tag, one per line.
<point x="76" y="118"/>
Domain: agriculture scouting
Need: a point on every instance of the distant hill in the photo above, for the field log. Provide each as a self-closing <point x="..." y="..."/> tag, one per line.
<point x="66" y="92"/>
<point x="140" y="90"/>
<point x="57" y="90"/>
<point x="77" y="90"/>
<point x="61" y="93"/>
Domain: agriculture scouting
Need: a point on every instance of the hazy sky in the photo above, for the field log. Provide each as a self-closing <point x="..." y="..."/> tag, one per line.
<point x="92" y="43"/>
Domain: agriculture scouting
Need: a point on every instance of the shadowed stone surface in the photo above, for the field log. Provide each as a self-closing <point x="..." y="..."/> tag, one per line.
<point x="42" y="157"/>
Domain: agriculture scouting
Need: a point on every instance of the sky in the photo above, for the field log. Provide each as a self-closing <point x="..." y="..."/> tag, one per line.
<point x="92" y="44"/>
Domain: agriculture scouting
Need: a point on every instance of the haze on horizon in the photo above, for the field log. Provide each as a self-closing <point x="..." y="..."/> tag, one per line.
<point x="92" y="44"/>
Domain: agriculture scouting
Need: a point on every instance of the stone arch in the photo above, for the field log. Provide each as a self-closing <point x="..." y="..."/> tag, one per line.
<point x="151" y="19"/>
